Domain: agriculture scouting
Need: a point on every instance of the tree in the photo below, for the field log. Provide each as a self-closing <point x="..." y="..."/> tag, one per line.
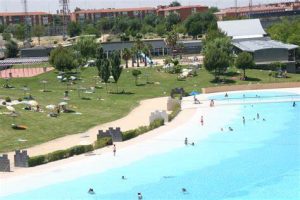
<point x="105" y="24"/>
<point x="63" y="59"/>
<point x="91" y="30"/>
<point x="19" y="32"/>
<point x="11" y="49"/>
<point x="138" y="46"/>
<point x="126" y="54"/>
<point x="151" y="19"/>
<point x="136" y="74"/>
<point x="171" y="41"/>
<point x="104" y="71"/>
<point x="86" y="46"/>
<point x="116" y="68"/>
<point x="74" y="29"/>
<point x="174" y="4"/>
<point x="199" y="23"/>
<point x="160" y="29"/>
<point x="244" y="61"/>
<point x="171" y="20"/>
<point x="217" y="56"/>
<point x="38" y="31"/>
<point x="135" y="26"/>
<point x="2" y="28"/>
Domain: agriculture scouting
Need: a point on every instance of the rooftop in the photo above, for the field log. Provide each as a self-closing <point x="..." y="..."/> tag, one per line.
<point x="260" y="44"/>
<point x="22" y="13"/>
<point x="115" y="10"/>
<point x="179" y="7"/>
<point x="239" y="29"/>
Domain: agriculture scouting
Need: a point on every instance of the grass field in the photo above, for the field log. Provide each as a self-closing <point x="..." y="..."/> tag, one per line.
<point x="42" y="128"/>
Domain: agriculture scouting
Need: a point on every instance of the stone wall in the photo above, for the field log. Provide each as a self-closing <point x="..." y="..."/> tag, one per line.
<point x="21" y="158"/>
<point x="115" y="134"/>
<point x="171" y="103"/>
<point x="4" y="163"/>
<point x="158" y="115"/>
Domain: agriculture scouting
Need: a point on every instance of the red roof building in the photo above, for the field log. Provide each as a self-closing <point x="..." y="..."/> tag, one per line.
<point x="96" y="14"/>
<point x="246" y="11"/>
<point x="183" y="11"/>
<point x="34" y="18"/>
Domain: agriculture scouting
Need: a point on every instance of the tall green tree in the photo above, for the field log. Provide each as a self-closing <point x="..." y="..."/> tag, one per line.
<point x="74" y="29"/>
<point x="116" y="68"/>
<point x="105" y="72"/>
<point x="126" y="54"/>
<point x="19" y="32"/>
<point x="171" y="41"/>
<point x="39" y="31"/>
<point x="137" y="47"/>
<point x="199" y="23"/>
<point x="217" y="56"/>
<point x="171" y="20"/>
<point x="11" y="50"/>
<point x="63" y="59"/>
<point x="86" y="46"/>
<point x="244" y="61"/>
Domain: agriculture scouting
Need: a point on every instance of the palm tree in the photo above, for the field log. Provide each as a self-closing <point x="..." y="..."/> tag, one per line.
<point x="171" y="41"/>
<point x="138" y="45"/>
<point x="126" y="56"/>
<point x="147" y="51"/>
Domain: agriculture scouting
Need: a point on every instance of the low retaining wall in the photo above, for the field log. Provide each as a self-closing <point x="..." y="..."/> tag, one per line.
<point x="250" y="87"/>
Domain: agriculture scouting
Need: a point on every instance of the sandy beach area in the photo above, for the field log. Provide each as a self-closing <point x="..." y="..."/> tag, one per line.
<point x="158" y="141"/>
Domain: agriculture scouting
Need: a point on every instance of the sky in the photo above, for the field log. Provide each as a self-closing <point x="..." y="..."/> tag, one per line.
<point x="53" y="5"/>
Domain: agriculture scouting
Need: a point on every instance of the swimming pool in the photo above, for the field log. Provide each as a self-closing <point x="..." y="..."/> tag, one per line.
<point x="258" y="160"/>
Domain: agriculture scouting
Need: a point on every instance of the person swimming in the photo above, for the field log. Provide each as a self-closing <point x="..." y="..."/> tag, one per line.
<point x="91" y="191"/>
<point x="183" y="190"/>
<point x="230" y="129"/>
<point x="140" y="196"/>
<point x="123" y="178"/>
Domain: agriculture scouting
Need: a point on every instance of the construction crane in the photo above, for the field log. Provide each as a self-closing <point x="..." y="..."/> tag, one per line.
<point x="250" y="8"/>
<point x="64" y="4"/>
<point x="27" y="22"/>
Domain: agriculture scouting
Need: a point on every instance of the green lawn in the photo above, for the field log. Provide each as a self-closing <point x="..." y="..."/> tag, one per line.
<point x="42" y="128"/>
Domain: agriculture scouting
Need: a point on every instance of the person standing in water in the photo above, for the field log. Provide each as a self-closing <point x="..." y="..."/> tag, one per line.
<point x="244" y="121"/>
<point x="294" y="104"/>
<point x="202" y="121"/>
<point x="186" y="141"/>
<point x="257" y="115"/>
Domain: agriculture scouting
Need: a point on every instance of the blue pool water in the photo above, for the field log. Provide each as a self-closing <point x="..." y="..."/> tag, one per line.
<point x="257" y="161"/>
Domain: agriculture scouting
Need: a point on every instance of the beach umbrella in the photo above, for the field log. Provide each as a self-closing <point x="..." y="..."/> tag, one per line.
<point x="50" y="107"/>
<point x="63" y="103"/>
<point x="33" y="103"/>
<point x="10" y="108"/>
<point x="194" y="93"/>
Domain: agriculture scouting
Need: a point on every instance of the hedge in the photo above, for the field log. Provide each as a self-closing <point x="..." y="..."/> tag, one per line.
<point x="174" y="113"/>
<point x="58" y="155"/>
<point x="36" y="160"/>
<point x="103" y="142"/>
<point x="127" y="135"/>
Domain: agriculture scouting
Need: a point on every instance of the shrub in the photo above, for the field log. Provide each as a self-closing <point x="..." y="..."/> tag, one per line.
<point x="7" y="99"/>
<point x="36" y="160"/>
<point x="129" y="134"/>
<point x="175" y="112"/>
<point x="156" y="123"/>
<point x="20" y="99"/>
<point x="103" y="142"/>
<point x="77" y="150"/>
<point x="57" y="155"/>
